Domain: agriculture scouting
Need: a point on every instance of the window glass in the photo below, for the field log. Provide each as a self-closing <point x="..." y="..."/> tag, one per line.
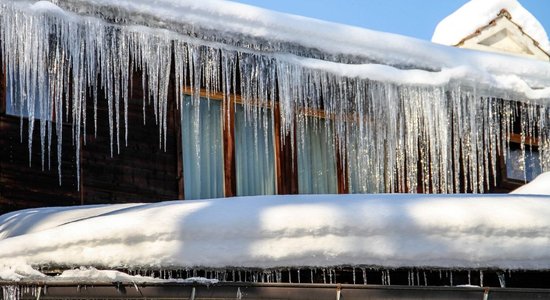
<point x="316" y="158"/>
<point x="202" y="147"/>
<point x="516" y="169"/>
<point x="361" y="170"/>
<point x="254" y="155"/>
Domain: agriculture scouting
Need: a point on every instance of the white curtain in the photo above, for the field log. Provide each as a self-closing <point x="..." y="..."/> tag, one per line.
<point x="254" y="156"/>
<point x="362" y="170"/>
<point x="316" y="157"/>
<point x="202" y="145"/>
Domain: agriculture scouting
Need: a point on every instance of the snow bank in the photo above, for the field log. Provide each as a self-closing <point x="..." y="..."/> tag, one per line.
<point x="445" y="231"/>
<point x="539" y="186"/>
<point x="477" y="13"/>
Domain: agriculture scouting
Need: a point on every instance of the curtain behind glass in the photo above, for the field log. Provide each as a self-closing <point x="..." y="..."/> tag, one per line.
<point x="316" y="158"/>
<point x="361" y="169"/>
<point x="254" y="156"/>
<point x="202" y="145"/>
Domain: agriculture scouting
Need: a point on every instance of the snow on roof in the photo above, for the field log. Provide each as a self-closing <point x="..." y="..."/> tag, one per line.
<point x="244" y="26"/>
<point x="538" y="186"/>
<point x="477" y="13"/>
<point x="446" y="231"/>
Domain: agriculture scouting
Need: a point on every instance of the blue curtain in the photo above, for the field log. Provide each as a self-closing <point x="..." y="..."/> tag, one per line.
<point x="254" y="156"/>
<point x="202" y="145"/>
<point x="316" y="157"/>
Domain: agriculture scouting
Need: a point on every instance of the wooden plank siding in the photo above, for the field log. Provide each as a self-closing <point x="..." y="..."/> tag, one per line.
<point x="143" y="171"/>
<point x="24" y="186"/>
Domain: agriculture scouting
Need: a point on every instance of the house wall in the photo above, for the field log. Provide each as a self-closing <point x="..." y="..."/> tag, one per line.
<point x="142" y="171"/>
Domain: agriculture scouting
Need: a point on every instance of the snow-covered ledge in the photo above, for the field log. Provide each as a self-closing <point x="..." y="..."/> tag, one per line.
<point x="384" y="230"/>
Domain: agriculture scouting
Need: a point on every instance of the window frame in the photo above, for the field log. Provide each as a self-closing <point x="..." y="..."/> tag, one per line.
<point x="284" y="148"/>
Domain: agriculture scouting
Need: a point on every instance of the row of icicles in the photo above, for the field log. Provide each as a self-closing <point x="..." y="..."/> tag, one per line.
<point x="391" y="137"/>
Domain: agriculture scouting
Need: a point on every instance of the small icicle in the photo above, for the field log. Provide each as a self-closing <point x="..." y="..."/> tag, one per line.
<point x="289" y="276"/>
<point x="502" y="279"/>
<point x="480" y="278"/>
<point x="425" y="278"/>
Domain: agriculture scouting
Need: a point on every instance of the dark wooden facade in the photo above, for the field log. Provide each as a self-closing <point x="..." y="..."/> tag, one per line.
<point x="142" y="172"/>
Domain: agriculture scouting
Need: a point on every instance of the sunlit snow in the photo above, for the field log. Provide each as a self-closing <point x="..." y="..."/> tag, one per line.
<point x="477" y="13"/>
<point x="453" y="231"/>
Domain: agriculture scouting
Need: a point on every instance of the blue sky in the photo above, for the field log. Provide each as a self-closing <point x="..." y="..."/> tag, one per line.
<point x="416" y="18"/>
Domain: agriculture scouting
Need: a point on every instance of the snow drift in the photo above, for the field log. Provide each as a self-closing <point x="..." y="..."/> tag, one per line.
<point x="440" y="231"/>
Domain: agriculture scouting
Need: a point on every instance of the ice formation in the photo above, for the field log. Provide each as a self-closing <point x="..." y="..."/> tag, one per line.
<point x="392" y="101"/>
<point x="269" y="232"/>
<point x="477" y="13"/>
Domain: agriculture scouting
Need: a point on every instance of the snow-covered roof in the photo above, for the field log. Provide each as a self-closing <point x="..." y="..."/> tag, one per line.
<point x="357" y="52"/>
<point x="477" y="13"/>
<point x="400" y="230"/>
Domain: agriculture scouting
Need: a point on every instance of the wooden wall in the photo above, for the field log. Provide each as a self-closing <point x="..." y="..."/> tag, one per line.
<point x="142" y="172"/>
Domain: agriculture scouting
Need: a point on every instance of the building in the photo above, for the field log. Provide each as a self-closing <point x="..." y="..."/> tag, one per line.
<point x="96" y="111"/>
<point x="130" y="101"/>
<point x="495" y="26"/>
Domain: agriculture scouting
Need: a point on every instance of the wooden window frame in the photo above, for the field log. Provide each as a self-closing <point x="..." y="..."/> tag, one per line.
<point x="285" y="159"/>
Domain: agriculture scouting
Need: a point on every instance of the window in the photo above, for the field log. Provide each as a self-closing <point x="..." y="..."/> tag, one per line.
<point x="519" y="167"/>
<point x="254" y="154"/>
<point x="316" y="157"/>
<point x="361" y="169"/>
<point x="202" y="148"/>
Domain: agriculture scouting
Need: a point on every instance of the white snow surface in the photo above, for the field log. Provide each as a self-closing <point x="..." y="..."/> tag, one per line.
<point x="399" y="230"/>
<point x="522" y="75"/>
<point x="477" y="13"/>
<point x="539" y="186"/>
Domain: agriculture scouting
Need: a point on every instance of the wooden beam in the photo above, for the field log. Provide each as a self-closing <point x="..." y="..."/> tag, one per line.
<point x="176" y="115"/>
<point x="286" y="160"/>
<point x="2" y="88"/>
<point x="530" y="141"/>
<point x="230" y="175"/>
<point x="341" y="171"/>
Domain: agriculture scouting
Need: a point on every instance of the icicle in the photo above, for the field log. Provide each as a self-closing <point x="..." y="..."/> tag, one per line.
<point x="425" y="278"/>
<point x="502" y="279"/>
<point x="289" y="276"/>
<point x="392" y="138"/>
<point x="11" y="292"/>
<point x="480" y="278"/>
